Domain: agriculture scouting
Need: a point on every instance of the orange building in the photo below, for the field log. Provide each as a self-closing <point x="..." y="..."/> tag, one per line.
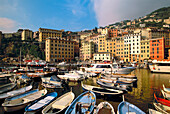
<point x="113" y="33"/>
<point x="157" y="48"/>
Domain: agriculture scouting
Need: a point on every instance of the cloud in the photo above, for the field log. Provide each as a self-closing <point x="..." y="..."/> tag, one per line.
<point x="8" y="25"/>
<point x="111" y="11"/>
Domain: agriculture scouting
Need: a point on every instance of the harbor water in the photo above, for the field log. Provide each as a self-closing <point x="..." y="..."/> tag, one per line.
<point x="141" y="95"/>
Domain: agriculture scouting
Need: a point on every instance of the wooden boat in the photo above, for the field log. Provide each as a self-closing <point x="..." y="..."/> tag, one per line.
<point x="165" y="94"/>
<point x="113" y="86"/>
<point x="51" y="82"/>
<point x="101" y="91"/>
<point x="15" y="92"/>
<point x="166" y="89"/>
<point x="125" y="108"/>
<point x="104" y="108"/>
<point x="152" y="111"/>
<point x="162" y="108"/>
<point x="71" y="77"/>
<point x="20" y="103"/>
<point x="83" y="104"/>
<point x="59" y="104"/>
<point x="21" y="95"/>
<point x="7" y="87"/>
<point x="40" y="103"/>
<point x="162" y="101"/>
<point x="116" y="82"/>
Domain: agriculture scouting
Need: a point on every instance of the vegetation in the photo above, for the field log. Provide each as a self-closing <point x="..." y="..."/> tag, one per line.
<point x="11" y="48"/>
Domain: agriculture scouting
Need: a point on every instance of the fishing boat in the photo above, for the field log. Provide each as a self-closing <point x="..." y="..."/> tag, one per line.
<point x="20" y="103"/>
<point x="21" y="95"/>
<point x="51" y="82"/>
<point x="152" y="111"/>
<point x="113" y="86"/>
<point x="83" y="104"/>
<point x="128" y="108"/>
<point x="40" y="103"/>
<point x="166" y="89"/>
<point x="15" y="92"/>
<point x="7" y="87"/>
<point x="58" y="105"/>
<point x="101" y="90"/>
<point x="162" y="66"/>
<point x="104" y="108"/>
<point x="162" y="108"/>
<point x="71" y="77"/>
<point x="162" y="101"/>
<point x="117" y="82"/>
<point x="165" y="94"/>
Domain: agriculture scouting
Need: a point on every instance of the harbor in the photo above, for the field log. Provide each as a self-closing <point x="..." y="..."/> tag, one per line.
<point x="141" y="94"/>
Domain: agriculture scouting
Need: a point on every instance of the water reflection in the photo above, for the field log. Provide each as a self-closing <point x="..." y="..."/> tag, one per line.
<point x="141" y="95"/>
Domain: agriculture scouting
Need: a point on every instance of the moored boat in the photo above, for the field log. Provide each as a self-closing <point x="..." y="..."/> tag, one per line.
<point x="166" y="89"/>
<point x="152" y="111"/>
<point x="126" y="107"/>
<point x="15" y="92"/>
<point x="59" y="104"/>
<point x="51" y="82"/>
<point x="162" y="101"/>
<point x="101" y="90"/>
<point x="104" y="108"/>
<point x="20" y="103"/>
<point x="165" y="94"/>
<point x="84" y="103"/>
<point x="40" y="103"/>
<point x="7" y="87"/>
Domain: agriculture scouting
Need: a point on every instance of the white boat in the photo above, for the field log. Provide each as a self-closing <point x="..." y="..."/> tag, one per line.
<point x="162" y="108"/>
<point x="51" y="82"/>
<point x="160" y="66"/>
<point x="72" y="76"/>
<point x="104" y="107"/>
<point x="166" y="89"/>
<point x="20" y="103"/>
<point x="108" y="68"/>
<point x="59" y="104"/>
<point x="165" y="94"/>
<point x="15" y="92"/>
<point x="152" y="111"/>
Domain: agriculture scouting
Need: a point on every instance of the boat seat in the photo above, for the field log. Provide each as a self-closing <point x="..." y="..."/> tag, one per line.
<point x="46" y="99"/>
<point x="130" y="112"/>
<point x="32" y="97"/>
<point x="61" y="103"/>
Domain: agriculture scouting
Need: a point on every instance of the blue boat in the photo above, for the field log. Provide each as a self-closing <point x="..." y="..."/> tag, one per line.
<point x="83" y="104"/>
<point x="40" y="103"/>
<point x="125" y="108"/>
<point x="21" y="95"/>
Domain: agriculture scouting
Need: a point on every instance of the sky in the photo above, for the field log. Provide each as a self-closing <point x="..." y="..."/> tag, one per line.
<point x="71" y="15"/>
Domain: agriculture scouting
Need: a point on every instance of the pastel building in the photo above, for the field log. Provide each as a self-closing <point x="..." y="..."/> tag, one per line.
<point x="145" y="49"/>
<point x="46" y="33"/>
<point x="157" y="48"/>
<point x="59" y="49"/>
<point x="26" y="34"/>
<point x="86" y="51"/>
<point x="120" y="48"/>
<point x="132" y="45"/>
<point x="112" y="32"/>
<point x="102" y="56"/>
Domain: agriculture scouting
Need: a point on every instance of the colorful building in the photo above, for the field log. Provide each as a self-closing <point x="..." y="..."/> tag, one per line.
<point x="26" y="34"/>
<point x="157" y="48"/>
<point x="120" y="48"/>
<point x="59" y="49"/>
<point x="145" y="50"/>
<point x="112" y="32"/>
<point x="86" y="51"/>
<point x="46" y="33"/>
<point x="102" y="56"/>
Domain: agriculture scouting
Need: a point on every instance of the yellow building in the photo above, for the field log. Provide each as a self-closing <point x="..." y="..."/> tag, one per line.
<point x="45" y="33"/>
<point x="26" y="34"/>
<point x="86" y="50"/>
<point x="58" y="49"/>
<point x="102" y="56"/>
<point x="167" y="21"/>
<point x="145" y="53"/>
<point x="102" y="43"/>
<point x="120" y="48"/>
<point x="111" y="46"/>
